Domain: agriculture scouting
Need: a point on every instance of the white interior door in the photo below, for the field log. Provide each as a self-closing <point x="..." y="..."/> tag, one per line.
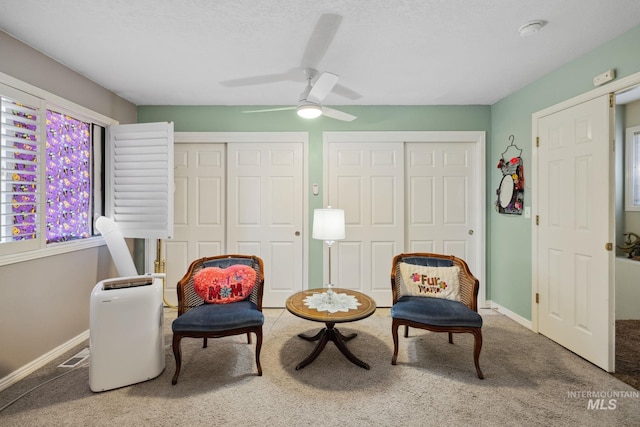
<point x="199" y="209"/>
<point x="265" y="212"/>
<point x="367" y="181"/>
<point x="573" y="267"/>
<point x="441" y="200"/>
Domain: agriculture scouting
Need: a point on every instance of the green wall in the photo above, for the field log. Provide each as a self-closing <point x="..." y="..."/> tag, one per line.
<point x="378" y="118"/>
<point x="508" y="237"/>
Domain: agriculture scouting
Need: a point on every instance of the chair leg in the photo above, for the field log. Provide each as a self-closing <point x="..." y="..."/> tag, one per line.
<point x="450" y="338"/>
<point x="204" y="343"/>
<point x="477" y="346"/>
<point x="248" y="337"/>
<point x="394" y="333"/>
<point x="406" y="331"/>
<point x="258" y="348"/>
<point x="178" y="356"/>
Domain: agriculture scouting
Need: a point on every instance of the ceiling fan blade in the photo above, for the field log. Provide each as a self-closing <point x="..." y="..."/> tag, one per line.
<point x="267" y="110"/>
<point x="346" y="92"/>
<point x="320" y="40"/>
<point x="322" y="87"/>
<point x="338" y="115"/>
<point x="291" y="75"/>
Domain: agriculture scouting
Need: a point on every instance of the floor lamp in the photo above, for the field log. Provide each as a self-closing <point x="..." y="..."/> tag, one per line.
<point x="328" y="225"/>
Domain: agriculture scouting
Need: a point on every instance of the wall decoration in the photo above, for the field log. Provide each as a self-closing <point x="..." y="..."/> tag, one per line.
<point x="510" y="192"/>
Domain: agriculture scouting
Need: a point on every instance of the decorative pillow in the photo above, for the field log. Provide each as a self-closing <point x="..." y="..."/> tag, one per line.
<point x="434" y="282"/>
<point x="221" y="286"/>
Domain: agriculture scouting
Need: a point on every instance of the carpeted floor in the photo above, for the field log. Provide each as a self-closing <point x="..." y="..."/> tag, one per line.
<point x="628" y="352"/>
<point x="529" y="381"/>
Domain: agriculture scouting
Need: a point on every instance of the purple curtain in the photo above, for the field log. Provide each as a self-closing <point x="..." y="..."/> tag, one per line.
<point x="68" y="178"/>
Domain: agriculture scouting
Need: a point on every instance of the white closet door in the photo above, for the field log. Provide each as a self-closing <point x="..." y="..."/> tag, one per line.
<point x="367" y="181"/>
<point x="265" y="212"/>
<point x="401" y="192"/>
<point x="440" y="202"/>
<point x="199" y="209"/>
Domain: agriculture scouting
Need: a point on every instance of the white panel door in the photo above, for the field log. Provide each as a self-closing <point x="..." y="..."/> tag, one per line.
<point x="573" y="266"/>
<point x="367" y="181"/>
<point x="199" y="209"/>
<point x="265" y="212"/>
<point x="440" y="199"/>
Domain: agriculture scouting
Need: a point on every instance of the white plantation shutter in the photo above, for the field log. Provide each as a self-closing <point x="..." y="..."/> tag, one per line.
<point x="139" y="184"/>
<point x="21" y="171"/>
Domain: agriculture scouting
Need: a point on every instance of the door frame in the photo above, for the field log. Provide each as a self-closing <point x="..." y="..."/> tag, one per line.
<point x="610" y="88"/>
<point x="251" y="137"/>
<point x="478" y="137"/>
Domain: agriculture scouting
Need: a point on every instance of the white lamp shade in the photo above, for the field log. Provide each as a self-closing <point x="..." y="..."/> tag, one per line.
<point x="328" y="224"/>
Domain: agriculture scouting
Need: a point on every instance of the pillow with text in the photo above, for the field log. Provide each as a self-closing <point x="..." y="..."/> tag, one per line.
<point x="221" y="286"/>
<point x="434" y="282"/>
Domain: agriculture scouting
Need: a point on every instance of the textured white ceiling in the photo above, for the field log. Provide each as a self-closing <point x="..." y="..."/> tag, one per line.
<point x="391" y="52"/>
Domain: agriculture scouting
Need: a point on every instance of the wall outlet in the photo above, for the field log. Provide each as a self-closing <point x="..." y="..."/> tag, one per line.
<point x="605" y="77"/>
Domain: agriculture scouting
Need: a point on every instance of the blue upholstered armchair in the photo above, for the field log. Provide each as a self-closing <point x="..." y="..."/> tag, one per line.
<point x="214" y="305"/>
<point x="414" y="284"/>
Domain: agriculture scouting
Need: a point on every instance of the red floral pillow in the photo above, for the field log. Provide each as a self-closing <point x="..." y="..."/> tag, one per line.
<point x="221" y="286"/>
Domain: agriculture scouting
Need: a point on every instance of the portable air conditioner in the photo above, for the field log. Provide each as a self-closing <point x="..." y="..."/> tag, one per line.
<point x="126" y="337"/>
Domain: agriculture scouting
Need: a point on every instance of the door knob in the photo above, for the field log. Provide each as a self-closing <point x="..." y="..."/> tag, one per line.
<point x="297" y="233"/>
<point x="470" y="232"/>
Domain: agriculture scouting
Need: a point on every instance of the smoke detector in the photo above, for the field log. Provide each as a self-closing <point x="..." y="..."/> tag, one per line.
<point x="530" y="28"/>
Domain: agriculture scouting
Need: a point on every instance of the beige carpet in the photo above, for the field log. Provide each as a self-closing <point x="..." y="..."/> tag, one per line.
<point x="628" y="352"/>
<point x="529" y="381"/>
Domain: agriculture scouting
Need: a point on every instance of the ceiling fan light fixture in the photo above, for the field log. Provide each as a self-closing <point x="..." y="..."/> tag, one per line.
<point x="309" y="111"/>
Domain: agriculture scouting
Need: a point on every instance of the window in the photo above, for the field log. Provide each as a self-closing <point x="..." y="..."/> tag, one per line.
<point x="51" y="175"/>
<point x="54" y="180"/>
<point x="632" y="169"/>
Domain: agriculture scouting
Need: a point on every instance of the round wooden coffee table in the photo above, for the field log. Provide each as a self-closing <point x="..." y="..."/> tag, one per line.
<point x="296" y="306"/>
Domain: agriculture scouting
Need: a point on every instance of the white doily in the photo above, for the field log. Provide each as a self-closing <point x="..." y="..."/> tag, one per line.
<point x="331" y="302"/>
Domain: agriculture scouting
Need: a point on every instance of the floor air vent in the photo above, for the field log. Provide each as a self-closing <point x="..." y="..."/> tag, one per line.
<point x="75" y="360"/>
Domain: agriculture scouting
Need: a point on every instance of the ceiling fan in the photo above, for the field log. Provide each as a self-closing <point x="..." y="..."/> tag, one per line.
<point x="310" y="103"/>
<point x="310" y="100"/>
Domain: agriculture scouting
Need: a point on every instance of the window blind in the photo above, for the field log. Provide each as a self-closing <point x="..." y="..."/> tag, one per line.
<point x="20" y="177"/>
<point x="140" y="179"/>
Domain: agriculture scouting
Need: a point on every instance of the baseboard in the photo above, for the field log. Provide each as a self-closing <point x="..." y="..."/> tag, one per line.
<point x="43" y="360"/>
<point x="511" y="315"/>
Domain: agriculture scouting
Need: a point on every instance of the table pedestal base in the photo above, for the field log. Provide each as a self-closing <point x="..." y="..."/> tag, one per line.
<point x="330" y="333"/>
